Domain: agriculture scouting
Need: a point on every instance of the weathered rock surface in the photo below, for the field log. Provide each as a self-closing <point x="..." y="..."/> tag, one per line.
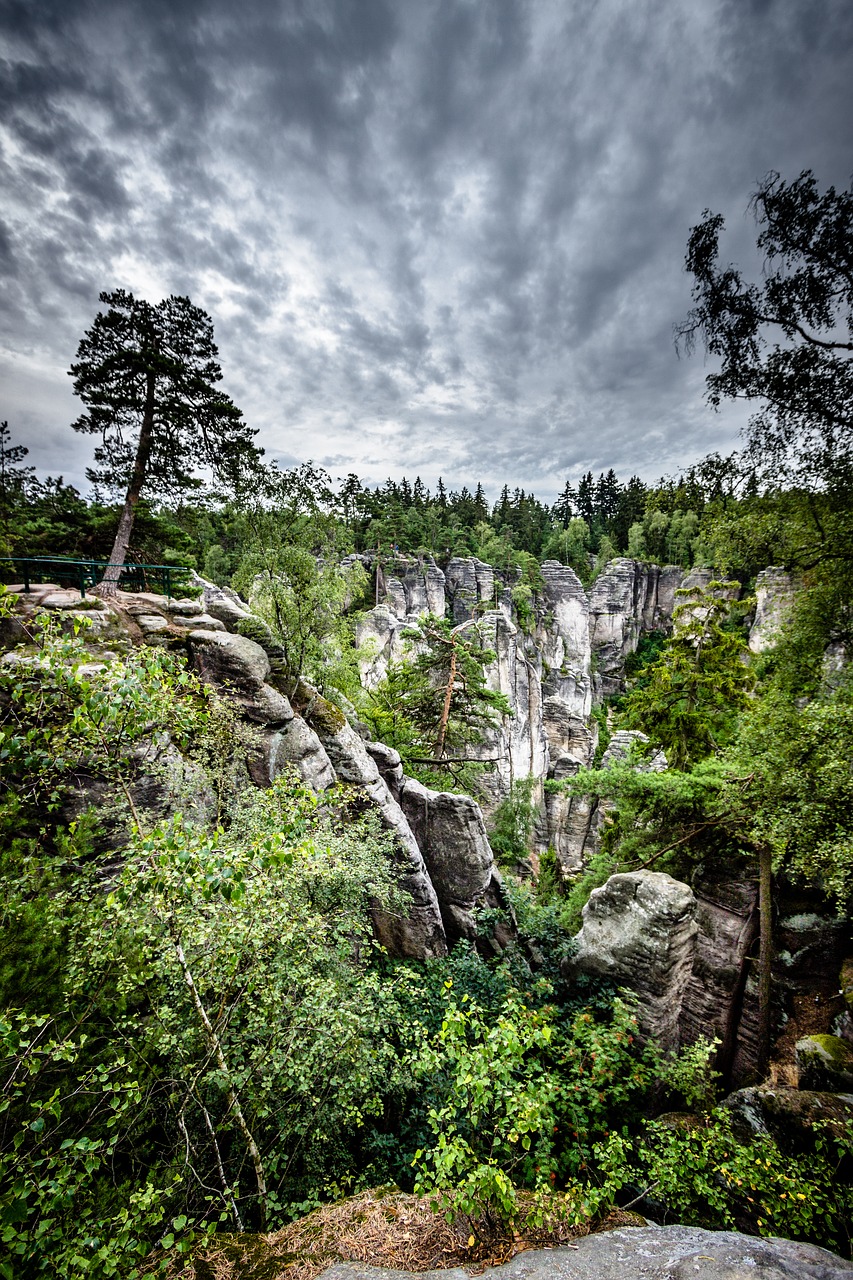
<point x="775" y="589"/>
<point x="628" y="598"/>
<point x="727" y="919"/>
<point x="825" y="1062"/>
<point x="788" y="1115"/>
<point x="639" y="930"/>
<point x="297" y="744"/>
<point x="241" y="666"/>
<point x="517" y="744"/>
<point x="420" y="932"/>
<point x="469" y="583"/>
<point x="203" y="622"/>
<point x="564" y="642"/>
<point x="379" y="636"/>
<point x="451" y="834"/>
<point x="570" y="819"/>
<point x="646" y="1253"/>
<point x="413" y="585"/>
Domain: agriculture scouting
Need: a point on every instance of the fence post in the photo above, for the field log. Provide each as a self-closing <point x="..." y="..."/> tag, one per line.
<point x="81" y="577"/>
<point x="26" y="565"/>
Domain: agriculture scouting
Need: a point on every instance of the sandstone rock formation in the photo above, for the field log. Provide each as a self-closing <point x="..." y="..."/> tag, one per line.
<point x="639" y="930"/>
<point x="825" y="1062"/>
<point x="775" y="589"/>
<point x="451" y="834"/>
<point x="627" y="599"/>
<point x="241" y="667"/>
<point x="793" y="1117"/>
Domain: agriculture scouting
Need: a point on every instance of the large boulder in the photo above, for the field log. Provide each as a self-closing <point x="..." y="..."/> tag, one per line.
<point x="825" y="1062"/>
<point x="645" y="1253"/>
<point x="793" y="1117"/>
<point x="639" y="930"/>
<point x="451" y="833"/>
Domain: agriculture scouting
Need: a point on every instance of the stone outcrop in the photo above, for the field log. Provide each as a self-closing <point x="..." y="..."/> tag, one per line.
<point x="627" y="599"/>
<point x="645" y="1253"/>
<point x="571" y="820"/>
<point x="825" y="1062"/>
<point x="575" y="822"/>
<point x="451" y="834"/>
<point x="413" y="586"/>
<point x="564" y="641"/>
<point x="727" y="920"/>
<point x="793" y="1117"/>
<point x="775" y="589"/>
<point x="517" y="744"/>
<point x="297" y="744"/>
<point x="639" y="930"/>
<point x="470" y="586"/>
<point x="240" y="666"/>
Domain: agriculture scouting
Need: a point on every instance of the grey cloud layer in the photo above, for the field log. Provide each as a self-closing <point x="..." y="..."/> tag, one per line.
<point x="434" y="235"/>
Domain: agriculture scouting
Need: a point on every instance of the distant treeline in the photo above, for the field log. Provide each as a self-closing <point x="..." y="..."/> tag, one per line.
<point x="592" y="520"/>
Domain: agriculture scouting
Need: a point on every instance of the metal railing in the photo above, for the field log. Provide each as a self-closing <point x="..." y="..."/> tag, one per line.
<point x="86" y="573"/>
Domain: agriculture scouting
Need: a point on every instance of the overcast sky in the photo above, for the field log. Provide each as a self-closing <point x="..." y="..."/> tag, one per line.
<point x="436" y="237"/>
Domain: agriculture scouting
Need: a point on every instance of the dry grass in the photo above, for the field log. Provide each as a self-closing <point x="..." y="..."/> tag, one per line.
<point x="383" y="1229"/>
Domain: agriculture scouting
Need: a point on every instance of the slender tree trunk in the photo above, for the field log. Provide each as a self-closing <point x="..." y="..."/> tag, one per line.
<point x="445" y="710"/>
<point x="108" y="585"/>
<point x="215" y="1045"/>
<point x="765" y="957"/>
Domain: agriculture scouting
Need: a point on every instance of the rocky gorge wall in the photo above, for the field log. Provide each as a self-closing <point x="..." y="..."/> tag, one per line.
<point x="686" y="952"/>
<point x="552" y="670"/>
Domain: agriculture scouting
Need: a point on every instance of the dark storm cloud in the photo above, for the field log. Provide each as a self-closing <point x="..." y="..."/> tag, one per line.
<point x="434" y="235"/>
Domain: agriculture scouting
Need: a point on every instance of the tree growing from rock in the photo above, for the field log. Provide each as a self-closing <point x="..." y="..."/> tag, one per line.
<point x="148" y="376"/>
<point x="437" y="705"/>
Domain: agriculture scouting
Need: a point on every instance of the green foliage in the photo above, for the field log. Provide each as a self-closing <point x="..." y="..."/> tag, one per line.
<point x="227" y="974"/>
<point x="790" y="768"/>
<point x="688" y="695"/>
<point x="434" y="706"/>
<point x="649" y="649"/>
<point x="525" y="1099"/>
<point x="690" y="1076"/>
<point x="512" y="823"/>
<point x="300" y="596"/>
<point x="597" y="871"/>
<point x="784" y="343"/>
<point x="704" y="1174"/>
<point x="66" y="1116"/>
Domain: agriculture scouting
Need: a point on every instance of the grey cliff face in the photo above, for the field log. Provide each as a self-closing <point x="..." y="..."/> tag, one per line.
<point x="775" y="590"/>
<point x="546" y="672"/>
<point x="627" y="599"/>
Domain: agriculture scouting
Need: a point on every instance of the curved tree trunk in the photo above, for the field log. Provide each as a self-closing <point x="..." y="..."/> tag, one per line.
<point x="108" y="585"/>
